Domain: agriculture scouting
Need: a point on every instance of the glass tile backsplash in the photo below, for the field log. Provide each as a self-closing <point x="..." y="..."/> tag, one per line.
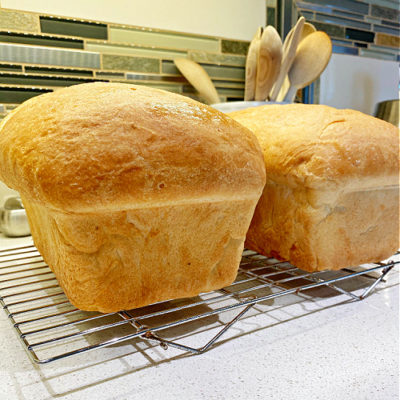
<point x="73" y="28"/>
<point x="357" y="27"/>
<point x="360" y="35"/>
<point x="17" y="21"/>
<point x="16" y="53"/>
<point x="39" y="40"/>
<point x="40" y="53"/>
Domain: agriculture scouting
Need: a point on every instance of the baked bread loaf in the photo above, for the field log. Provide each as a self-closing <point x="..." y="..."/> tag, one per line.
<point x="134" y="195"/>
<point x="332" y="194"/>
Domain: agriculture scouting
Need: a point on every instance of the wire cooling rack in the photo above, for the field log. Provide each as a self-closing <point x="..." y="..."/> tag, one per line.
<point x="51" y="328"/>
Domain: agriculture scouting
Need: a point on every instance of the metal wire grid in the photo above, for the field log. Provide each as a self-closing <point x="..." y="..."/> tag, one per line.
<point x="51" y="328"/>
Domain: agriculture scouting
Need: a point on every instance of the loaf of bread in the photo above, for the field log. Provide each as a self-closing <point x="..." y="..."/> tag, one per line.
<point x="134" y="195"/>
<point x="332" y="194"/>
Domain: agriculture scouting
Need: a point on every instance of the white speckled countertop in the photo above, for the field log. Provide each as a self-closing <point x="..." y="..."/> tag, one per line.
<point x="330" y="348"/>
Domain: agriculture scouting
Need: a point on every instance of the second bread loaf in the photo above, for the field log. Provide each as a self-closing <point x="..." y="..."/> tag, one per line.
<point x="332" y="194"/>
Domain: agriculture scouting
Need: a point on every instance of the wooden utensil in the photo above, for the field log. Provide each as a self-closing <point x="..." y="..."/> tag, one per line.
<point x="284" y="88"/>
<point x="199" y="79"/>
<point x="307" y="30"/>
<point x="251" y="66"/>
<point x="268" y="63"/>
<point x="312" y="57"/>
<point x="289" y="52"/>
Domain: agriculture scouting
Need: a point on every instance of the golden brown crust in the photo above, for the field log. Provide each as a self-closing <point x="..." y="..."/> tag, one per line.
<point x="320" y="146"/>
<point x="332" y="194"/>
<point x="134" y="195"/>
<point x="106" y="146"/>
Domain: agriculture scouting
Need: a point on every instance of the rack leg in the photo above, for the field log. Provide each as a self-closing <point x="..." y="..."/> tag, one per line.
<point x="165" y="343"/>
<point x="369" y="289"/>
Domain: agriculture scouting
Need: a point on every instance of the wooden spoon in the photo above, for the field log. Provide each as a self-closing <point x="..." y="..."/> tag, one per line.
<point x="269" y="62"/>
<point x="251" y="66"/>
<point x="307" y="30"/>
<point x="199" y="79"/>
<point x="312" y="57"/>
<point x="289" y="52"/>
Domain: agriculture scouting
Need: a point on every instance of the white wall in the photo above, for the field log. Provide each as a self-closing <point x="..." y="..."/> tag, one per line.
<point x="359" y="82"/>
<point x="236" y="19"/>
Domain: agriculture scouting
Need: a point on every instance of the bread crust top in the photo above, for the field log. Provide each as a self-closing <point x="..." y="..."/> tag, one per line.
<point x="111" y="146"/>
<point x="323" y="147"/>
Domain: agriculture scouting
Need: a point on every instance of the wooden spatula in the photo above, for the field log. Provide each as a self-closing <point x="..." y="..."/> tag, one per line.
<point x="269" y="62"/>
<point x="251" y="66"/>
<point x="199" y="79"/>
<point x="289" y="52"/>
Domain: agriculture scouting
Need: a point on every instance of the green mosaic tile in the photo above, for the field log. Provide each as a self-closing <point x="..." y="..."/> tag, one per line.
<point x="385" y="3"/>
<point x="331" y="30"/>
<point x="127" y="63"/>
<point x="228" y="84"/>
<point x="10" y="68"/>
<point x="38" y="80"/>
<point x="73" y="28"/>
<point x="377" y="54"/>
<point x="19" y="95"/>
<point x="222" y="92"/>
<point x="219" y="59"/>
<point x="58" y="71"/>
<point x="108" y="74"/>
<point x="18" y="21"/>
<point x="162" y="39"/>
<point x="40" y="40"/>
<point x="137" y="51"/>
<point x="168" y="67"/>
<point x="225" y="72"/>
<point x="221" y="72"/>
<point x="153" y="77"/>
<point x="231" y="92"/>
<point x="234" y="46"/>
<point x="385" y="12"/>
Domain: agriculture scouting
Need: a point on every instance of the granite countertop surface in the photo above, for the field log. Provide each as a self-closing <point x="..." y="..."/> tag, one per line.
<point x="324" y="348"/>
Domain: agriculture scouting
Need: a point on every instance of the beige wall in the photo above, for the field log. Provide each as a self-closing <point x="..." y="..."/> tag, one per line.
<point x="235" y="19"/>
